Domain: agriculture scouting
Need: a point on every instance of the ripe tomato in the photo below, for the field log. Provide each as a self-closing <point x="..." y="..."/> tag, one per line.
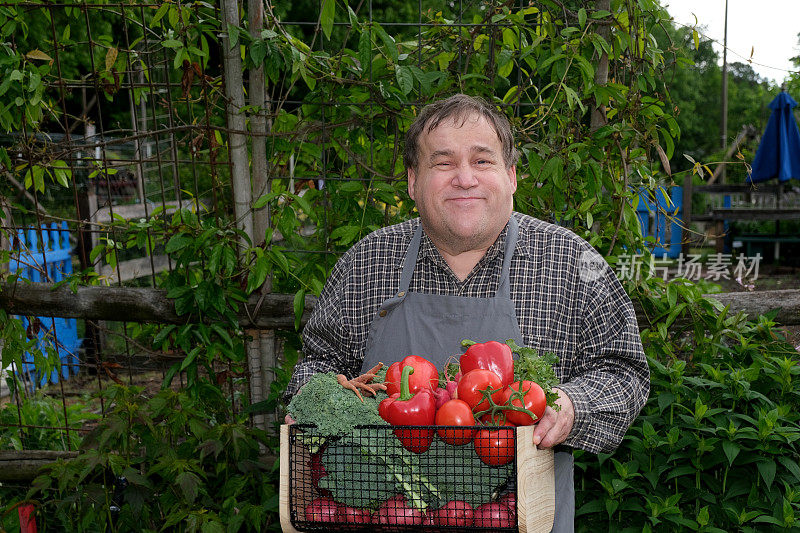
<point x="322" y="510"/>
<point x="494" y="515"/>
<point x="425" y="375"/>
<point x="455" y="413"/>
<point x="475" y="381"/>
<point x="496" y="447"/>
<point x="534" y="401"/>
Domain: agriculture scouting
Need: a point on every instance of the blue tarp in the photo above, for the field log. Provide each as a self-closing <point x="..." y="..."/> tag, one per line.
<point x="778" y="154"/>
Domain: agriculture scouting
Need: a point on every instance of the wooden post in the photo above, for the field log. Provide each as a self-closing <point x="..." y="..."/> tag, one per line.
<point x="261" y="351"/>
<point x="258" y="126"/>
<point x="237" y="140"/>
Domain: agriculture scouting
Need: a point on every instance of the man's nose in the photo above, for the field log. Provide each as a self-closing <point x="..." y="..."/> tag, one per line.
<point x="465" y="177"/>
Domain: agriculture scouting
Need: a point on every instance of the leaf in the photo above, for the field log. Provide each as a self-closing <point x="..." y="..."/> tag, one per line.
<point x="767" y="470"/>
<point x="258" y="274"/>
<point x="191" y="357"/>
<point x="178" y="242"/>
<point x="38" y="55"/>
<point x="731" y="450"/>
<point x="171" y="43"/>
<point x="188" y="482"/>
<point x="168" y="377"/>
<point x="791" y="466"/>
<point x="365" y="50"/>
<point x="345" y="234"/>
<point x="327" y="16"/>
<point x="159" y="14"/>
<point x="299" y="306"/>
<point x="405" y="79"/>
<point x="582" y="17"/>
<point x="212" y="527"/>
<point x="768" y="519"/>
<point x="223" y="334"/>
<point x="309" y="79"/>
<point x="111" y="58"/>
<point x="388" y="41"/>
<point x="511" y="95"/>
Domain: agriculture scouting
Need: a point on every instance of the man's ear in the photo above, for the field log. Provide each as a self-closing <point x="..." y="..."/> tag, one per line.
<point x="412" y="179"/>
<point x="512" y="176"/>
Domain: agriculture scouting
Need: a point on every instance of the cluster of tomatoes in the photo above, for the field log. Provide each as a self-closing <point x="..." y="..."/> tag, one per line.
<point x="481" y="404"/>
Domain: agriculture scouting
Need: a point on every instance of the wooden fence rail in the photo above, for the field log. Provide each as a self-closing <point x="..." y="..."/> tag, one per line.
<point x="272" y="311"/>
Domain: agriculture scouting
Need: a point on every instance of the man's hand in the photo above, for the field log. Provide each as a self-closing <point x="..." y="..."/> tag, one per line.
<point x="554" y="427"/>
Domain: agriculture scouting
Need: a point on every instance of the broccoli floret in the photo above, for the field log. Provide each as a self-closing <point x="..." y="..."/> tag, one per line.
<point x="334" y="410"/>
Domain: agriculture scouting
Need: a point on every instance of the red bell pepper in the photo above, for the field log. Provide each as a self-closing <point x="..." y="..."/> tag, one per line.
<point x="426" y="376"/>
<point x="492" y="355"/>
<point x="407" y="409"/>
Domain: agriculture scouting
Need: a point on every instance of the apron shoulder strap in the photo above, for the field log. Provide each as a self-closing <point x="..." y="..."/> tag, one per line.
<point x="410" y="260"/>
<point x="503" y="290"/>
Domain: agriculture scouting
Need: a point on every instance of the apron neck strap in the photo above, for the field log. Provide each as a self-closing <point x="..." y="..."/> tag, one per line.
<point x="503" y="290"/>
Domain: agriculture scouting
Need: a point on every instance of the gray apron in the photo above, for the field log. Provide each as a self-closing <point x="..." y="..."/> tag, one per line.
<point x="433" y="326"/>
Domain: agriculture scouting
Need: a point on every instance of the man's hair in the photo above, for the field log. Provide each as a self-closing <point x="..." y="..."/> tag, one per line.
<point x="458" y="108"/>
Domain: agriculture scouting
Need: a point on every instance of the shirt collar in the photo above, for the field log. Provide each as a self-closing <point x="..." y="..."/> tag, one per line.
<point x="428" y="250"/>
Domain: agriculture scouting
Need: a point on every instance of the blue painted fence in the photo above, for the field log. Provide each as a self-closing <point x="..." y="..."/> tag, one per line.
<point x="656" y="223"/>
<point x="48" y="259"/>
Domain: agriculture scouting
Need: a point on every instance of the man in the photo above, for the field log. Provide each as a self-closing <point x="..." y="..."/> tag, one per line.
<point x="471" y="268"/>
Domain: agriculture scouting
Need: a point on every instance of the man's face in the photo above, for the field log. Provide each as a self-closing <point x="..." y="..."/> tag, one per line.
<point x="462" y="187"/>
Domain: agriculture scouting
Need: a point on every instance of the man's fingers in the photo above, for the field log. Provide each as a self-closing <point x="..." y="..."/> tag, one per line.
<point x="544" y="425"/>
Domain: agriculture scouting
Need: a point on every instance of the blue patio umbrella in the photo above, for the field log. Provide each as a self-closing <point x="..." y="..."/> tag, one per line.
<point x="778" y="154"/>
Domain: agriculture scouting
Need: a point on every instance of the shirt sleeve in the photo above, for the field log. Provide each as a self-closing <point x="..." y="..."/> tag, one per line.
<point x="326" y="336"/>
<point x="611" y="378"/>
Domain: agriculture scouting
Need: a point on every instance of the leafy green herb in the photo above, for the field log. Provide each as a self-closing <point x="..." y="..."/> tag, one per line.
<point x="531" y="366"/>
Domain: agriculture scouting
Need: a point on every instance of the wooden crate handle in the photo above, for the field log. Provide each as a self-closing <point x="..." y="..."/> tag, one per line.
<point x="536" y="492"/>
<point x="283" y="489"/>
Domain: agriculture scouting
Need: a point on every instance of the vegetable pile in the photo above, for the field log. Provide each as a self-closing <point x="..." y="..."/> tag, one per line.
<point x="434" y="450"/>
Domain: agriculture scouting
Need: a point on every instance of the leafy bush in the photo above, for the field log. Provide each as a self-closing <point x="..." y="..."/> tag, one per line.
<point x="716" y="446"/>
<point x="32" y="424"/>
<point x="171" y="461"/>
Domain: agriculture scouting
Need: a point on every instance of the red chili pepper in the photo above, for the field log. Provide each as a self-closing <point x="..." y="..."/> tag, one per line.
<point x="426" y="376"/>
<point x="407" y="409"/>
<point x="492" y="355"/>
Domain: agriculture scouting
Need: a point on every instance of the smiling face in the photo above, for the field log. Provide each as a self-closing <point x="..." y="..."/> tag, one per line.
<point x="462" y="188"/>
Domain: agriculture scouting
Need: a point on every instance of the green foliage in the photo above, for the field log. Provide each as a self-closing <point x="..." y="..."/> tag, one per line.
<point x="187" y="464"/>
<point x="31" y="424"/>
<point x="537" y="368"/>
<point x="716" y="447"/>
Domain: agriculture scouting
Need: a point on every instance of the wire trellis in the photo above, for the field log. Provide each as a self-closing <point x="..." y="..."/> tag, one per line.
<point x="136" y="121"/>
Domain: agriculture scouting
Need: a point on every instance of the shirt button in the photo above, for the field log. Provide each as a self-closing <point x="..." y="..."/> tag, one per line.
<point x="383" y="312"/>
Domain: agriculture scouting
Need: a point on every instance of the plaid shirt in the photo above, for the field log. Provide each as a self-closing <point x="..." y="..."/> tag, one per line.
<point x="583" y="315"/>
